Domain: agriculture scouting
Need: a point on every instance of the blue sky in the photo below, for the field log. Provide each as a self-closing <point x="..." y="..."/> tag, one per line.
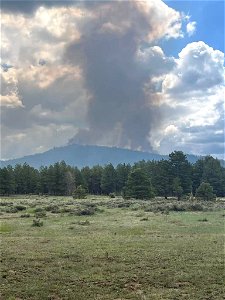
<point x="209" y="16"/>
<point x="145" y="75"/>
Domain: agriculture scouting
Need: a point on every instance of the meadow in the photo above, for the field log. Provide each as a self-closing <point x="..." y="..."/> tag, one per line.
<point x="101" y="248"/>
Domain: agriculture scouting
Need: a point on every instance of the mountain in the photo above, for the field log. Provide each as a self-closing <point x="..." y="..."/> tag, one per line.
<point x="87" y="155"/>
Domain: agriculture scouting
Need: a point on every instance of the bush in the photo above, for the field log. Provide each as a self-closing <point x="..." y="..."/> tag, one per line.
<point x="11" y="210"/>
<point x="84" y="223"/>
<point x="205" y="192"/>
<point x="203" y="220"/>
<point x="25" y="216"/>
<point x="6" y="203"/>
<point x="124" y="204"/>
<point x="80" y="193"/>
<point x="86" y="212"/>
<point x="144" y="219"/>
<point x="40" y="214"/>
<point x="135" y="206"/>
<point x="178" y="207"/>
<point x="37" y="223"/>
<point x="53" y="209"/>
<point x="20" y="207"/>
<point x="112" y="195"/>
<point x="195" y="207"/>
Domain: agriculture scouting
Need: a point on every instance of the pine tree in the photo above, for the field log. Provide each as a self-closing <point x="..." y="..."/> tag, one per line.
<point x="177" y="188"/>
<point x="205" y="192"/>
<point x="138" y="185"/>
<point x="108" y="180"/>
<point x="96" y="176"/>
<point x="161" y="178"/>
<point x="122" y="172"/>
<point x="181" y="168"/>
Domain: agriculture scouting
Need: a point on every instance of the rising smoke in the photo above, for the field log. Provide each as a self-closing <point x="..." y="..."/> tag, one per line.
<point x="118" y="60"/>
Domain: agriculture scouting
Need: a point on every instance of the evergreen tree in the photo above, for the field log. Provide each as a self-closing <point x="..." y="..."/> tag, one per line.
<point x="197" y="172"/>
<point x="213" y="173"/>
<point x="205" y="192"/>
<point x="138" y="185"/>
<point x="70" y="182"/>
<point x="7" y="181"/>
<point x="181" y="168"/>
<point x="79" y="192"/>
<point x="78" y="177"/>
<point x="122" y="172"/>
<point x="108" y="180"/>
<point x="161" y="178"/>
<point x="96" y="176"/>
<point x="43" y="180"/>
<point x="177" y="188"/>
<point x="86" y="174"/>
<point x="26" y="178"/>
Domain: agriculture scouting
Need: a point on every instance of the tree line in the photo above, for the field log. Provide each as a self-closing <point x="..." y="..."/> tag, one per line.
<point x="145" y="179"/>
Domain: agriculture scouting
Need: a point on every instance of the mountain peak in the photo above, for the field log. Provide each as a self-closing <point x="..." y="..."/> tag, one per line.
<point x="87" y="155"/>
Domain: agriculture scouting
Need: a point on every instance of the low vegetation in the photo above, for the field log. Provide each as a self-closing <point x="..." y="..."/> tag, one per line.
<point x="103" y="248"/>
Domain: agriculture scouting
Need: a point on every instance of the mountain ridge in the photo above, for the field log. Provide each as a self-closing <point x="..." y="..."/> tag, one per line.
<point x="88" y="155"/>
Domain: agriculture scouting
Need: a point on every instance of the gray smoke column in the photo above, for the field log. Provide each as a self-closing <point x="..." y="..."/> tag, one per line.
<point x="117" y="66"/>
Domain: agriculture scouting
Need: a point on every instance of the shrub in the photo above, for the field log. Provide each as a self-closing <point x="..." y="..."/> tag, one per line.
<point x="86" y="212"/>
<point x="40" y="214"/>
<point x="195" y="207"/>
<point x="20" y="207"/>
<point x="11" y="210"/>
<point x="203" y="220"/>
<point x="79" y="193"/>
<point x="144" y="219"/>
<point x="25" y="216"/>
<point x="178" y="207"/>
<point x="39" y="209"/>
<point x="6" y="203"/>
<point x="112" y="195"/>
<point x="53" y="209"/>
<point x="84" y="223"/>
<point x="205" y="192"/>
<point x="37" y="223"/>
<point x="83" y="211"/>
<point x="135" y="206"/>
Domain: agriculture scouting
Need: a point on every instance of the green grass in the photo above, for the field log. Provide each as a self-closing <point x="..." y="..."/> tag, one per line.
<point x="113" y="254"/>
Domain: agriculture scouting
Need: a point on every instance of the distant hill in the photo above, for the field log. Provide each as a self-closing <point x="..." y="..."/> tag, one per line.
<point x="84" y="155"/>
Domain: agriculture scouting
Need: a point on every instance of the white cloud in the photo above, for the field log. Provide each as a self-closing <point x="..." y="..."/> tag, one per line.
<point x="11" y="100"/>
<point x="192" y="96"/>
<point x="191" y="28"/>
<point x="163" y="20"/>
<point x="171" y="130"/>
<point x="199" y="68"/>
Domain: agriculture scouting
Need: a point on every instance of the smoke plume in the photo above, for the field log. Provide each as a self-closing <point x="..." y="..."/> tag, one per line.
<point x="118" y="56"/>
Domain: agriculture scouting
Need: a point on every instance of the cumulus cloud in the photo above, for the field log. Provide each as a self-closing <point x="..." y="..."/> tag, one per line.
<point x="191" y="28"/>
<point x="11" y="100"/>
<point x="191" y="99"/>
<point x="199" y="68"/>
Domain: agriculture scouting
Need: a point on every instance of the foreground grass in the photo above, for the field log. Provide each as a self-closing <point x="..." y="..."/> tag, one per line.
<point x="116" y="253"/>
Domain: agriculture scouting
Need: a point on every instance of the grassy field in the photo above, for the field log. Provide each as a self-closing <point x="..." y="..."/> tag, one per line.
<point x="102" y="248"/>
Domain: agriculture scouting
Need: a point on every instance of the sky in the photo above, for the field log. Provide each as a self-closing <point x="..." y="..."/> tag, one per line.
<point x="144" y="75"/>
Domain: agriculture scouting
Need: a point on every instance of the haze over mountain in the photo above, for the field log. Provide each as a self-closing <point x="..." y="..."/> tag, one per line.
<point x="87" y="155"/>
